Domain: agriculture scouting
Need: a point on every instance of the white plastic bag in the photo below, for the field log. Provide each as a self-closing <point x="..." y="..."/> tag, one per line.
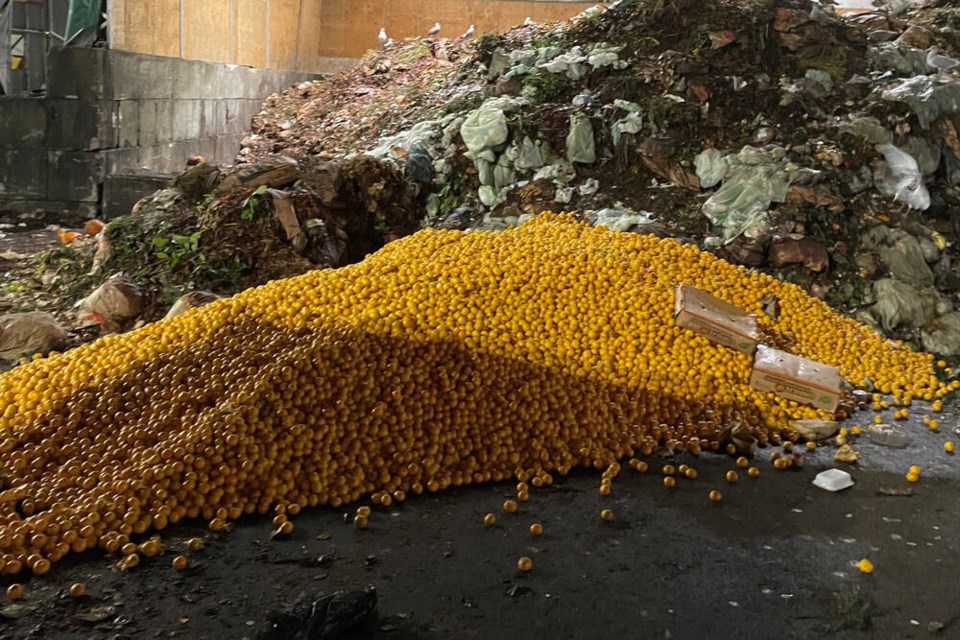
<point x="633" y="123"/>
<point x="604" y="55"/>
<point x="484" y="128"/>
<point x="580" y="143"/>
<point x="621" y="219"/>
<point x="908" y="183"/>
<point x="484" y="170"/>
<point x="531" y="155"/>
<point x="489" y="196"/>
<point x="563" y="194"/>
<point x="711" y="166"/>
<point x="503" y="173"/>
<point x="570" y="63"/>
<point x="559" y="170"/>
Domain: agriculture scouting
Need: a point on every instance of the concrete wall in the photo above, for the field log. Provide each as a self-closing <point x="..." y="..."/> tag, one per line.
<point x="306" y="35"/>
<point x="110" y="113"/>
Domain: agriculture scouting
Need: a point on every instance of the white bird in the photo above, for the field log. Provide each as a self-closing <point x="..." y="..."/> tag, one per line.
<point x="434" y="30"/>
<point x="938" y="62"/>
<point x="527" y="22"/>
<point x="818" y="13"/>
<point x="469" y="32"/>
<point x="893" y="7"/>
<point x="382" y="36"/>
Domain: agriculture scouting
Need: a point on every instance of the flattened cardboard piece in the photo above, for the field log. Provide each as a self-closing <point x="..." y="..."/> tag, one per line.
<point x="796" y="378"/>
<point x="714" y="319"/>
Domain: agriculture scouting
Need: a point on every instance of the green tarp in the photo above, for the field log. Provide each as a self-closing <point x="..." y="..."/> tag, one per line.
<point x="82" y="20"/>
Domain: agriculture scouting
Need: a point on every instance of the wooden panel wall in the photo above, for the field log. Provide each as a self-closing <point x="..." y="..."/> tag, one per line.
<point x="310" y="36"/>
<point x="206" y="30"/>
<point x="250" y="26"/>
<point x="284" y="17"/>
<point x="147" y="27"/>
<point x="351" y="26"/>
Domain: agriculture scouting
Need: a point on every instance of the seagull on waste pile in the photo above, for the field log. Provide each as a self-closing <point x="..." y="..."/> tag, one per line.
<point x="818" y="13"/>
<point x="434" y="30"/>
<point x="939" y="62"/>
<point x="382" y="36"/>
<point x="527" y="22"/>
<point x="469" y="32"/>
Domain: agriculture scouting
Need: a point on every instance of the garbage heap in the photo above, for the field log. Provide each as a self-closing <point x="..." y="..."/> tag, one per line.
<point x="443" y="359"/>
<point x="818" y="148"/>
<point x="214" y="231"/>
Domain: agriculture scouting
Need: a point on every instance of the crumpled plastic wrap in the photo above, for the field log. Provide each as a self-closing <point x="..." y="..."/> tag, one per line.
<point x="900" y="304"/>
<point x="929" y="97"/>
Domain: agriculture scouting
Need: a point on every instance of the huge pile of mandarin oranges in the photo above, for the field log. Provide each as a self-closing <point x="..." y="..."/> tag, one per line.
<point x="445" y="358"/>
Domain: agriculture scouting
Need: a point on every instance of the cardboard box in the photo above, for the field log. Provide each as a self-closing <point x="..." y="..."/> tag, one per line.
<point x="796" y="378"/>
<point x="714" y="319"/>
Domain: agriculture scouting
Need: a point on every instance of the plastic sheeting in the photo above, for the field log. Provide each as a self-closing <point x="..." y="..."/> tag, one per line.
<point x="757" y="177"/>
<point x="83" y="19"/>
